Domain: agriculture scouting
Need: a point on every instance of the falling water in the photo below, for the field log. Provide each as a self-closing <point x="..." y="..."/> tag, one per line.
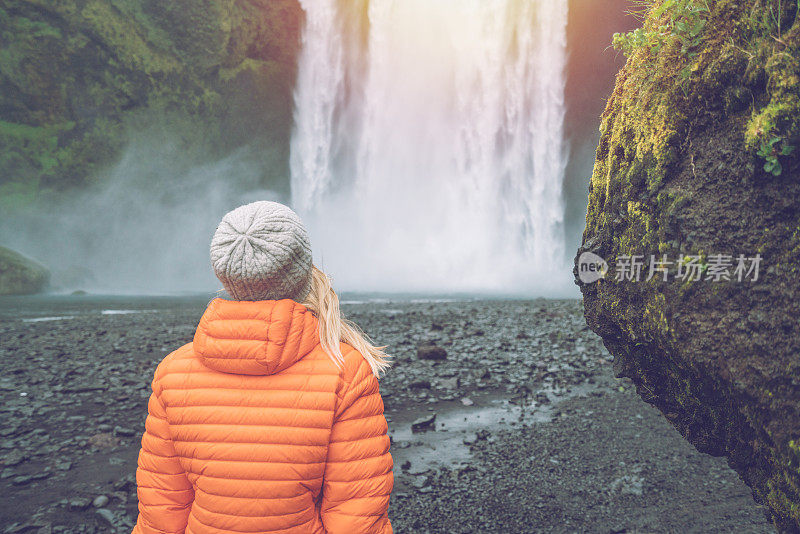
<point x="429" y="155"/>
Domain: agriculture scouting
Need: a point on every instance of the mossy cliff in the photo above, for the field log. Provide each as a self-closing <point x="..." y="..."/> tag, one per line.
<point x="697" y="157"/>
<point x="77" y="76"/>
<point x="20" y="275"/>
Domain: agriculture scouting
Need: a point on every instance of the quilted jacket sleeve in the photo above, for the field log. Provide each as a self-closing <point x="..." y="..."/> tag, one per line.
<point x="358" y="476"/>
<point x="164" y="491"/>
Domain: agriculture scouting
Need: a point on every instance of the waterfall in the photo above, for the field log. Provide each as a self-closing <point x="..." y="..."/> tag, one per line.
<point x="428" y="150"/>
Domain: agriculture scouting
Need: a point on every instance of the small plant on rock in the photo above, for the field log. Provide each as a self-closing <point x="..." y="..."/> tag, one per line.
<point x="770" y="151"/>
<point x="684" y="24"/>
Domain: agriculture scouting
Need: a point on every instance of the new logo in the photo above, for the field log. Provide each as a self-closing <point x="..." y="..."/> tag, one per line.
<point x="591" y="267"/>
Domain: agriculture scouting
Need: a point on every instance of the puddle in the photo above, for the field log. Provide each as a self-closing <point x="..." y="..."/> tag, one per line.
<point x="456" y="426"/>
<point x="124" y="312"/>
<point x="57" y="318"/>
<point x="63" y="317"/>
<point x="433" y="300"/>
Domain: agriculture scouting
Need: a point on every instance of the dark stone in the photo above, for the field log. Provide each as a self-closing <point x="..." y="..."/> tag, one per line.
<point x="431" y="352"/>
<point x="424" y="423"/>
<point x="21" y="480"/>
<point x="125" y="432"/>
<point x="79" y="503"/>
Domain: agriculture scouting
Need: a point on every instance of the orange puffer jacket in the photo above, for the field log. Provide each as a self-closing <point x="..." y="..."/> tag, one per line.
<point x="253" y="428"/>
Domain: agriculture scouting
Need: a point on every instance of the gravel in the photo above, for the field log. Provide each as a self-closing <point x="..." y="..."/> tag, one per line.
<point x="520" y="424"/>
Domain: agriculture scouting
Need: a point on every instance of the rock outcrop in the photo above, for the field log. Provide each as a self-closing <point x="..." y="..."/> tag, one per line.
<point x="697" y="165"/>
<point x="77" y="77"/>
<point x="20" y="275"/>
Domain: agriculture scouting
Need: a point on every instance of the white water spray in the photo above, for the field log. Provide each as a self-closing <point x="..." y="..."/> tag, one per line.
<point x="431" y="157"/>
<point x="146" y="227"/>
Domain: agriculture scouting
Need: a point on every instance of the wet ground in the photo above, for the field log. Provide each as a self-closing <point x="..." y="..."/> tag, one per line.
<point x="504" y="417"/>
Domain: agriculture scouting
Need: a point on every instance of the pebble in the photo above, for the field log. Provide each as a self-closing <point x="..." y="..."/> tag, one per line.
<point x="449" y="383"/>
<point x="14" y="457"/>
<point x="431" y="352"/>
<point x="122" y="431"/>
<point x="483" y="373"/>
<point x="63" y="466"/>
<point x="424" y="423"/>
<point x="107" y="515"/>
<point x="421" y="482"/>
<point x="79" y="503"/>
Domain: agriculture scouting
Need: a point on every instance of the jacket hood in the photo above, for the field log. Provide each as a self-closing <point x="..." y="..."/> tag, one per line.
<point x="260" y="337"/>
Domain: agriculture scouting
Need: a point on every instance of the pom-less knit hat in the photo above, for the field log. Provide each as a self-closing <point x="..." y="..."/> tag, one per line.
<point x="261" y="251"/>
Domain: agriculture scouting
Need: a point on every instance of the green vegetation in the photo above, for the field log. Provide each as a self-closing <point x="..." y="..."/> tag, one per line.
<point x="770" y="151"/>
<point x="78" y="77"/>
<point x="680" y="24"/>
<point x="716" y="38"/>
<point x="20" y="275"/>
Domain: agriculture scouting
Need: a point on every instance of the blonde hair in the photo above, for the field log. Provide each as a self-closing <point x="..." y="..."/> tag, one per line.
<point x="334" y="328"/>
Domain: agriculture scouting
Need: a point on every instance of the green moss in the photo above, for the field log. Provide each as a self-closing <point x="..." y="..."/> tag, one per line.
<point x="268" y="69"/>
<point x="27" y="133"/>
<point x="774" y="125"/>
<point x="123" y="35"/>
<point x="782" y="499"/>
<point x="36" y="29"/>
<point x="31" y="150"/>
<point x="15" y="195"/>
<point x="794" y="448"/>
<point x="107" y="67"/>
<point x="655" y="314"/>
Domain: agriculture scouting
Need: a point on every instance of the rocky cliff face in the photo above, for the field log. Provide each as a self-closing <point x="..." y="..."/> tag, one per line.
<point x="77" y="76"/>
<point x="699" y="157"/>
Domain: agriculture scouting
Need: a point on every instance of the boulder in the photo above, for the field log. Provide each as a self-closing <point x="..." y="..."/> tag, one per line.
<point x="20" y="275"/>
<point x="698" y="165"/>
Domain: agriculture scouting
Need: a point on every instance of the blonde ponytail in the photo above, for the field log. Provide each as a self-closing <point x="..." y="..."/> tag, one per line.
<point x="333" y="328"/>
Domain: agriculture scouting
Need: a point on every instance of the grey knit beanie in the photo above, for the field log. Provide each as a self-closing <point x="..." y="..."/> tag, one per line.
<point x="261" y="251"/>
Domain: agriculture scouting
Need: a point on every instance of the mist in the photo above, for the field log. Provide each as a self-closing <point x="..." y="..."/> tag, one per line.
<point x="146" y="224"/>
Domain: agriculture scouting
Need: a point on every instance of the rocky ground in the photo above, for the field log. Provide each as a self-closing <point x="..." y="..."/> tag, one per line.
<point x="505" y="417"/>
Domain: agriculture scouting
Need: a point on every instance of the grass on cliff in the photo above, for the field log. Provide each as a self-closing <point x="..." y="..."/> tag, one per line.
<point x="700" y="44"/>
